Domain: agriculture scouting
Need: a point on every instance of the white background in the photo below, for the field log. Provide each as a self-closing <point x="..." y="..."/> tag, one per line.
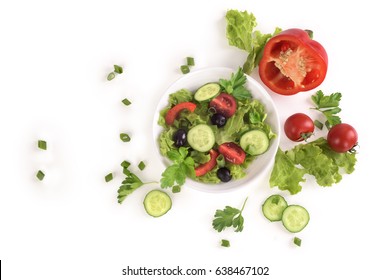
<point x="54" y="59"/>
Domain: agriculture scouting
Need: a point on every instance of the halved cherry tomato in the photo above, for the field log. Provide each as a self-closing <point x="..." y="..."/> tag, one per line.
<point x="342" y="138"/>
<point x="202" y="169"/>
<point x="298" y="127"/>
<point x="175" y="110"/>
<point x="232" y="152"/>
<point x="293" y="62"/>
<point x="224" y="104"/>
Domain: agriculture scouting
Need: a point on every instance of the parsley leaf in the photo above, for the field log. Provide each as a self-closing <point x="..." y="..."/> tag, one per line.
<point x="229" y="217"/>
<point x="129" y="185"/>
<point x="329" y="106"/>
<point x="236" y="85"/>
<point x="183" y="166"/>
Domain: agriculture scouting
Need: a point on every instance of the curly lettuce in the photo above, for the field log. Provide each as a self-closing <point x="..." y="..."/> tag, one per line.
<point x="315" y="158"/>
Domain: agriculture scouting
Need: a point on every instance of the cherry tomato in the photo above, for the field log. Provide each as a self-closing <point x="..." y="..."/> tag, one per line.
<point x="224" y="104"/>
<point x="293" y="62"/>
<point x="298" y="127"/>
<point x="175" y="111"/>
<point x="342" y="137"/>
<point x="202" y="169"/>
<point x="232" y="152"/>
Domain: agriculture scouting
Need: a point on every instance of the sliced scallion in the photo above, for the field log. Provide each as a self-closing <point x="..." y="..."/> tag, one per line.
<point x="125" y="164"/>
<point x="225" y="243"/>
<point x="111" y="76"/>
<point x="118" y="69"/>
<point x="190" y="61"/>
<point x="42" y="144"/>
<point x="185" y="69"/>
<point x="126" y="102"/>
<point x="176" y="189"/>
<point x="318" y="124"/>
<point x="40" y="175"/>
<point x="297" y="241"/>
<point x="125" y="137"/>
<point x="141" y="165"/>
<point x="109" y="177"/>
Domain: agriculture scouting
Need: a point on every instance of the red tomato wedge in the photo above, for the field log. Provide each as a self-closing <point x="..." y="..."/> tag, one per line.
<point x="292" y="62"/>
<point x="175" y="111"/>
<point x="224" y="104"/>
<point x="206" y="167"/>
<point x="232" y="152"/>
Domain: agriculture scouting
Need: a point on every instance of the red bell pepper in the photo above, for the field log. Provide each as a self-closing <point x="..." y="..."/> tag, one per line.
<point x="292" y="62"/>
<point x="175" y="111"/>
<point x="206" y="167"/>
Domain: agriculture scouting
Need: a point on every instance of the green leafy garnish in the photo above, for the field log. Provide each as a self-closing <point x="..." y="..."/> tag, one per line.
<point x="129" y="185"/>
<point x="239" y="32"/>
<point x="315" y="158"/>
<point x="229" y="217"/>
<point x="183" y="166"/>
<point x="236" y="85"/>
<point x="329" y="106"/>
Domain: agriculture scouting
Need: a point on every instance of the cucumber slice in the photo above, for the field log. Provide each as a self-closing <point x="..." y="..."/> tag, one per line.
<point x="207" y="92"/>
<point x="201" y="138"/>
<point x="273" y="207"/>
<point x="157" y="203"/>
<point x="295" y="218"/>
<point x="254" y="142"/>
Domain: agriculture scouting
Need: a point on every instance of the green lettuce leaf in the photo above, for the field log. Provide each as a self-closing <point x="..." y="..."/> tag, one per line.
<point x="315" y="158"/>
<point x="285" y="174"/>
<point x="239" y="32"/>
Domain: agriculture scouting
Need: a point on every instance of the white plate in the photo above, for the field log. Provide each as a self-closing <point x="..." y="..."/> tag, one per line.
<point x="193" y="81"/>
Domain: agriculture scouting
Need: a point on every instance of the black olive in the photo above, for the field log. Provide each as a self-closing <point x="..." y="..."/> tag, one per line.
<point x="218" y="119"/>
<point x="224" y="174"/>
<point x="180" y="137"/>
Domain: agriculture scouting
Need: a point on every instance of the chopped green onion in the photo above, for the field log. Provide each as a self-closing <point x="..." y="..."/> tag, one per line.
<point x="297" y="241"/>
<point x="190" y="61"/>
<point x="125" y="137"/>
<point x="141" y="165"/>
<point x="40" y="175"/>
<point x="42" y="144"/>
<point x="111" y="76"/>
<point x="126" y="172"/>
<point x="225" y="243"/>
<point x="176" y="189"/>
<point x="126" y="102"/>
<point x="185" y="69"/>
<point x="109" y="177"/>
<point x="118" y="69"/>
<point x="318" y="124"/>
<point x="125" y="164"/>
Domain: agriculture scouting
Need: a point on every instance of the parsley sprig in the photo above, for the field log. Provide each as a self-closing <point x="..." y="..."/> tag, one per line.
<point x="229" y="217"/>
<point x="183" y="166"/>
<point x="329" y="106"/>
<point x="130" y="184"/>
<point x="235" y="86"/>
